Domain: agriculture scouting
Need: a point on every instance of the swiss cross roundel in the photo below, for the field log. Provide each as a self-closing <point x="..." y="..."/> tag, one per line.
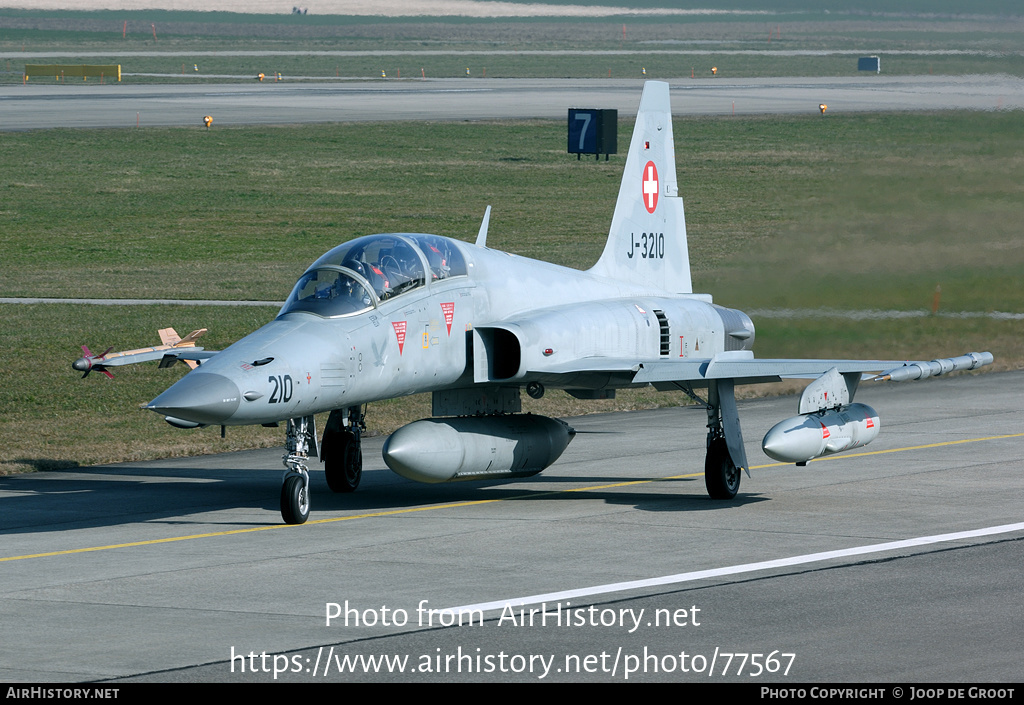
<point x="650" y="187"/>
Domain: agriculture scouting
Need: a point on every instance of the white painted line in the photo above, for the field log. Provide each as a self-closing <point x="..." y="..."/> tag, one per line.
<point x="734" y="570"/>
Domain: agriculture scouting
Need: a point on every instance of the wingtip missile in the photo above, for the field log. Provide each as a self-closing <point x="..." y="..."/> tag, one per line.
<point x="89" y="362"/>
<point x="920" y="370"/>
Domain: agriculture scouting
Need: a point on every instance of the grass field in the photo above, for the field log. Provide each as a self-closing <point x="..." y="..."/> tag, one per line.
<point x="850" y="212"/>
<point x="914" y="41"/>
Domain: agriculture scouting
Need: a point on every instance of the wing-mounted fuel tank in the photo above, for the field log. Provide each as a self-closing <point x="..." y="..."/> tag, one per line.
<point x="828" y="423"/>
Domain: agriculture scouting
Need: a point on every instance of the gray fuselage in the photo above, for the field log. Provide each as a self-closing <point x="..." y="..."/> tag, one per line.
<point x="308" y="361"/>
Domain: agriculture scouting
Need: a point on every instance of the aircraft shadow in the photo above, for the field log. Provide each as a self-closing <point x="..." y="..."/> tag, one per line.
<point x="93" y="497"/>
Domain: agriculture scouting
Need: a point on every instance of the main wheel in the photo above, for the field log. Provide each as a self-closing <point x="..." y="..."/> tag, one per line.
<point x="721" y="476"/>
<point x="343" y="465"/>
<point x="294" y="500"/>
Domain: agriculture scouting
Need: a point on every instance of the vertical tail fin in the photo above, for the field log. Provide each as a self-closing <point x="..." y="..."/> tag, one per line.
<point x="647" y="240"/>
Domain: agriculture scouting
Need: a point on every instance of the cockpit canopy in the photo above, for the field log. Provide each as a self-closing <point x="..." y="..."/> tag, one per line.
<point x="357" y="275"/>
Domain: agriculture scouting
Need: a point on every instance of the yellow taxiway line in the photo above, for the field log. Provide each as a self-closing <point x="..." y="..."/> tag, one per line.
<point x="457" y="505"/>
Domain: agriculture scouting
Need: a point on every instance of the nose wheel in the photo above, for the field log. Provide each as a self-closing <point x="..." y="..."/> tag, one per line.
<point x="300" y="436"/>
<point x="295" y="498"/>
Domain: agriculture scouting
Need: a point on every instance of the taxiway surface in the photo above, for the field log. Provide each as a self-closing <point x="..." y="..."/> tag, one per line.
<point x="38" y="106"/>
<point x="163" y="571"/>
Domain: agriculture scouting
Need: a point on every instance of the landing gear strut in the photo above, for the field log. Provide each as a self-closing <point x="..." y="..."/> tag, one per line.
<point x="726" y="457"/>
<point x="300" y="437"/>
<point x="341" y="451"/>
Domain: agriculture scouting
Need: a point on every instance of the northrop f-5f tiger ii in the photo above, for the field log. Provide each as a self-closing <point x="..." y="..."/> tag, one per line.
<point x="389" y="315"/>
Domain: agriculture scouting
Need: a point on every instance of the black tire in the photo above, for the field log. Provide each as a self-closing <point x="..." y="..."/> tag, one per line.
<point x="721" y="476"/>
<point x="343" y="464"/>
<point x="294" y="500"/>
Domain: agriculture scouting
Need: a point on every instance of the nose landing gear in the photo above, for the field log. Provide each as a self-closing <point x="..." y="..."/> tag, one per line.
<point x="299" y="438"/>
<point x="340" y="451"/>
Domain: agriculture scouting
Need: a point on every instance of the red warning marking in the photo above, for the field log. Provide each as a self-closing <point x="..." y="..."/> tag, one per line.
<point x="448" y="308"/>
<point x="400" y="334"/>
<point x="824" y="432"/>
<point x="871" y="422"/>
<point x="650" y="187"/>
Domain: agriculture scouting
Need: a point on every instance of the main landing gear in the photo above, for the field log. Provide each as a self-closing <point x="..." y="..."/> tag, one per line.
<point x="726" y="458"/>
<point x="340" y="451"/>
<point x="721" y="476"/>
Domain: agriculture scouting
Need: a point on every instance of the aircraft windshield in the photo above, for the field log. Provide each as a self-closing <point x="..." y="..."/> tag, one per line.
<point x="400" y="257"/>
<point x="390" y="263"/>
<point x="328" y="292"/>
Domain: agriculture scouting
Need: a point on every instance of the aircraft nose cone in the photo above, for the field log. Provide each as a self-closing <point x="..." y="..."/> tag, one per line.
<point x="81" y="364"/>
<point x="201" y="397"/>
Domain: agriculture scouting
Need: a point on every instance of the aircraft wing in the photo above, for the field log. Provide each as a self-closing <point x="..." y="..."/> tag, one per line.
<point x="166" y="357"/>
<point x="172" y="355"/>
<point x="173" y="349"/>
<point x="743" y="368"/>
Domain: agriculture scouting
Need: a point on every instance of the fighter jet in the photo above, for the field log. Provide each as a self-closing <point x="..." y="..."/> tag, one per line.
<point x="389" y="315"/>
